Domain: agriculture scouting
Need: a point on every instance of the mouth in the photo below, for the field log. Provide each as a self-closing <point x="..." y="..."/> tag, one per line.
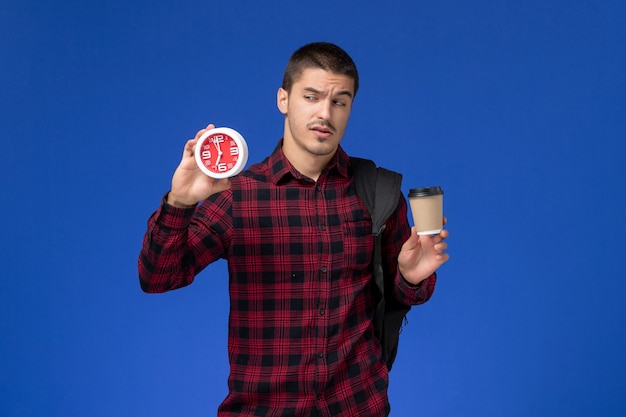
<point x="321" y="130"/>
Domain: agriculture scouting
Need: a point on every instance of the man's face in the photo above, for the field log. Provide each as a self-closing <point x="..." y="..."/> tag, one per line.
<point x="317" y="111"/>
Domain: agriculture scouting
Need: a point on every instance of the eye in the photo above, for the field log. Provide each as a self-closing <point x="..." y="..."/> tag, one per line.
<point x="339" y="103"/>
<point x="309" y="97"/>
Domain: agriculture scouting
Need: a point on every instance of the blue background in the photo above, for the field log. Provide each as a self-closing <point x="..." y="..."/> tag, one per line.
<point x="516" y="108"/>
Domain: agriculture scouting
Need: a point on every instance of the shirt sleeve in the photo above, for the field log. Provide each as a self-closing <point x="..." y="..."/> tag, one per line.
<point x="181" y="242"/>
<point x="397" y="232"/>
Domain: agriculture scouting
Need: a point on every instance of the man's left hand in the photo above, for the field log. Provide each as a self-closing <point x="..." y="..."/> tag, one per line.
<point x="422" y="255"/>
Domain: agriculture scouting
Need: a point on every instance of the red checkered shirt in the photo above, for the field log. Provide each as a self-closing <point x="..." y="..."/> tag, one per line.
<point x="301" y="339"/>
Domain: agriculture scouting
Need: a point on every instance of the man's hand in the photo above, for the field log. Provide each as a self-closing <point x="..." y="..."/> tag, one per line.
<point x="189" y="184"/>
<point x="421" y="256"/>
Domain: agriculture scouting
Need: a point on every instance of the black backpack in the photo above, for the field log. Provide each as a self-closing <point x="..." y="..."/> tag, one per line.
<point x="380" y="191"/>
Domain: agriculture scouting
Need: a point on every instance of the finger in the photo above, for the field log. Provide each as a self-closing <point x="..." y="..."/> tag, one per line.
<point x="222" y="185"/>
<point x="438" y="239"/>
<point x="435" y="239"/>
<point x="413" y="241"/>
<point x="202" y="131"/>
<point x="442" y="257"/>
<point x="189" y="147"/>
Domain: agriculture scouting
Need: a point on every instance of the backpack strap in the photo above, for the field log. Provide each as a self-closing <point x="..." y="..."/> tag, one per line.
<point x="380" y="191"/>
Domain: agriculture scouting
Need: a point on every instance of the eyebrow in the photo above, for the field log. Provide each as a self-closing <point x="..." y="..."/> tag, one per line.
<point x="340" y="93"/>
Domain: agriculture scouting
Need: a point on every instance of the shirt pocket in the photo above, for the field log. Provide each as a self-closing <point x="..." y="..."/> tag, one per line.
<point x="358" y="242"/>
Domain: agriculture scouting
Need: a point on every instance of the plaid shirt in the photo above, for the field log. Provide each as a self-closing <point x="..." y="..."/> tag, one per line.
<point x="301" y="339"/>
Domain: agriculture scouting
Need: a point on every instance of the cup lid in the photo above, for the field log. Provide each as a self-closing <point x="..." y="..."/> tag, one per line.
<point x="425" y="191"/>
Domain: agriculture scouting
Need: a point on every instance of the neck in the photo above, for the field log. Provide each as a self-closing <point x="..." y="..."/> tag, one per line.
<point x="305" y="162"/>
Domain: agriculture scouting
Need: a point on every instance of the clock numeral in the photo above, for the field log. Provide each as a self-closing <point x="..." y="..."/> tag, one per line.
<point x="206" y="154"/>
<point x="234" y="151"/>
<point x="221" y="167"/>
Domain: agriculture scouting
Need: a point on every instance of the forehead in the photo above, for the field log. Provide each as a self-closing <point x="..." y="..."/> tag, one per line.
<point x="323" y="80"/>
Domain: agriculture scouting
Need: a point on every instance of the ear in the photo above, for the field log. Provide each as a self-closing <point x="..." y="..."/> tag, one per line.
<point x="282" y="100"/>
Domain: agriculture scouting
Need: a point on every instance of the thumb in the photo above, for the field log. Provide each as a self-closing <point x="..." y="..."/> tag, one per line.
<point x="222" y="185"/>
<point x="412" y="242"/>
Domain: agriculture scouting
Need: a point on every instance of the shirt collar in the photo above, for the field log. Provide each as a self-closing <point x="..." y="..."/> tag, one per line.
<point x="280" y="167"/>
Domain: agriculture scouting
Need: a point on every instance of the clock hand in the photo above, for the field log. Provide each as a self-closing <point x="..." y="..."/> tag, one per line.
<point x="219" y="151"/>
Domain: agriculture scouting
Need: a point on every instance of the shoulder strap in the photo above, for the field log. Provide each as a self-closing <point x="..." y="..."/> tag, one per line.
<point x="379" y="189"/>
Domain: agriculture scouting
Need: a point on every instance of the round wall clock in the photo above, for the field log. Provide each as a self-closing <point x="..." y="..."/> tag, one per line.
<point x="221" y="153"/>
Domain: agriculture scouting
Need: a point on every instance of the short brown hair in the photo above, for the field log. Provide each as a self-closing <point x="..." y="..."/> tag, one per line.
<point x="323" y="55"/>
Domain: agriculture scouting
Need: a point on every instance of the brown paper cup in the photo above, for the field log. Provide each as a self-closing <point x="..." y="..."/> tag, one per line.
<point x="427" y="209"/>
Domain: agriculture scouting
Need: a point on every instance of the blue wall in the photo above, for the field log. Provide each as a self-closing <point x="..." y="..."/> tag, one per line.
<point x="517" y="109"/>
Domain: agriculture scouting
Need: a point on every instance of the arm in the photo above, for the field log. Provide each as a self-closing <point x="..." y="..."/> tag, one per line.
<point x="180" y="241"/>
<point x="403" y="255"/>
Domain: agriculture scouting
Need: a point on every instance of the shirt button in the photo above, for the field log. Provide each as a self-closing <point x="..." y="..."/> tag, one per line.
<point x="324" y="270"/>
<point x="320" y="355"/>
<point x="323" y="226"/>
<point x="322" y="312"/>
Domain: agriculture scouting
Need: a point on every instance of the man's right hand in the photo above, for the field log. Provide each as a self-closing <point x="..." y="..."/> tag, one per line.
<point x="189" y="184"/>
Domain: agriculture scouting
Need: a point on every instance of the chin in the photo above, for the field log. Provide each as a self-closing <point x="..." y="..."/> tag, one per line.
<point x="323" y="150"/>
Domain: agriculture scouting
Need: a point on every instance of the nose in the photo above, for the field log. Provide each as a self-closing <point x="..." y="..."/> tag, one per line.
<point x="324" y="109"/>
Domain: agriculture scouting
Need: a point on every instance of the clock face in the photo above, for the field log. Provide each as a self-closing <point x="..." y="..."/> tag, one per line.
<point x="221" y="153"/>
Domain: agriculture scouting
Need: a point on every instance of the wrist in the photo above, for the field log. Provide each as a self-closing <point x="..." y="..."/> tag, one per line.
<point x="411" y="279"/>
<point x="176" y="201"/>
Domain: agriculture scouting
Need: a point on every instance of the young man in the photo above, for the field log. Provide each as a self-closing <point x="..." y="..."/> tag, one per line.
<point x="299" y="248"/>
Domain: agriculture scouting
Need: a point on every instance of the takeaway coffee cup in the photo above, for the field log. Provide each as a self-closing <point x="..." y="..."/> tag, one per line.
<point x="427" y="208"/>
